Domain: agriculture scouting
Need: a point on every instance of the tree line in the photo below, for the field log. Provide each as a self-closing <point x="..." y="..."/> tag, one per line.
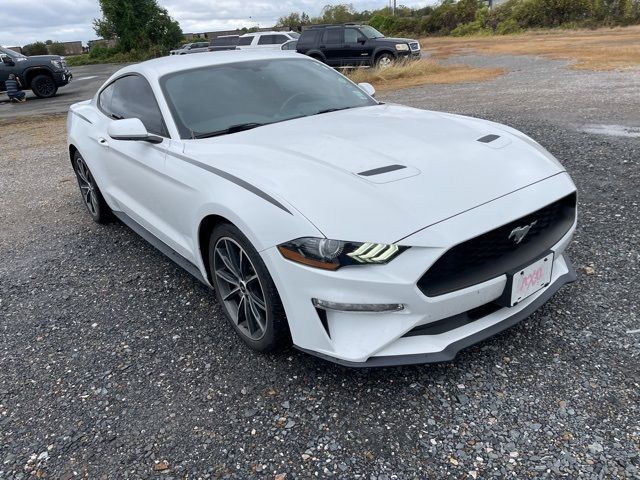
<point x="465" y="17"/>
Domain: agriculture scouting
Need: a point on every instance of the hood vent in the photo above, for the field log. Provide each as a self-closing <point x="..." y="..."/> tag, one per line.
<point x="380" y="170"/>
<point x="488" y="138"/>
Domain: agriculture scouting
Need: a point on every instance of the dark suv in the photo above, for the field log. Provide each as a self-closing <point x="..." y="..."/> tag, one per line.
<point x="43" y="74"/>
<point x="350" y="44"/>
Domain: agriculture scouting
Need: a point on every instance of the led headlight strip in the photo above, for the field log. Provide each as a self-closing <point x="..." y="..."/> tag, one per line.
<point x="333" y="254"/>
<point x="374" y="253"/>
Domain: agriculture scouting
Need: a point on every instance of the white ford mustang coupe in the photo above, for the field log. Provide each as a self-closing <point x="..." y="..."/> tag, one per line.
<point x="365" y="233"/>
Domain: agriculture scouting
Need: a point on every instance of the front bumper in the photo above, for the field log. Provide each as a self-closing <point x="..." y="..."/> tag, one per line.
<point x="62" y="78"/>
<point x="410" y="55"/>
<point x="381" y="339"/>
<point x="452" y="349"/>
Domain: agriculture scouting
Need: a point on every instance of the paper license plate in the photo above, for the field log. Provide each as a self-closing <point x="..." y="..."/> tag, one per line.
<point x="530" y="279"/>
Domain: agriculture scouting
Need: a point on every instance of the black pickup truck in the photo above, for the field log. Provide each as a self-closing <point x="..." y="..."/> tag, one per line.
<point x="351" y="44"/>
<point x="43" y="74"/>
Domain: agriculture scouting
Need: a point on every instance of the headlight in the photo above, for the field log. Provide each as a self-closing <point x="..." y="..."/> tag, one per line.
<point x="333" y="254"/>
<point x="57" y="64"/>
<point x="402" y="47"/>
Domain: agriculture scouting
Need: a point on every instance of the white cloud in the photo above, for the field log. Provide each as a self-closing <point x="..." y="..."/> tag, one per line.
<point x="67" y="20"/>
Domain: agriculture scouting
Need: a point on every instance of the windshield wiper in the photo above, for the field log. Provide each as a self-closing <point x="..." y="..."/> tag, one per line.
<point x="328" y="110"/>
<point x="232" y="129"/>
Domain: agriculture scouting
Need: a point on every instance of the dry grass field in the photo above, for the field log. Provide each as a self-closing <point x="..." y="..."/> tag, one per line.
<point x="403" y="75"/>
<point x="602" y="49"/>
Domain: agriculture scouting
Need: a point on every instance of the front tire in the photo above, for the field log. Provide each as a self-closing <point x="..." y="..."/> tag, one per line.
<point x="385" y="60"/>
<point x="245" y="291"/>
<point x="91" y="195"/>
<point x="43" y="86"/>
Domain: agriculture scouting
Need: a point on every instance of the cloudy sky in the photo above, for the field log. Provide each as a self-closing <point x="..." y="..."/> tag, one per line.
<point x="66" y="20"/>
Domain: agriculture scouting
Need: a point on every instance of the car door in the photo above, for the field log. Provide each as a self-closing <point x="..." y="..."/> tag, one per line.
<point x="136" y="169"/>
<point x="332" y="45"/>
<point x="7" y="66"/>
<point x="357" y="49"/>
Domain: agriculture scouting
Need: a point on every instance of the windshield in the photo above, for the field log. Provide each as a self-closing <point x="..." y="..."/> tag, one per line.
<point x="370" y="32"/>
<point x="294" y="34"/>
<point x="218" y="99"/>
<point x="11" y="53"/>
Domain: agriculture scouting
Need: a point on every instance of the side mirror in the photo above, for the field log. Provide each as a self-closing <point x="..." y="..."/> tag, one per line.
<point x="368" y="89"/>
<point x="131" y="129"/>
<point x="6" y="59"/>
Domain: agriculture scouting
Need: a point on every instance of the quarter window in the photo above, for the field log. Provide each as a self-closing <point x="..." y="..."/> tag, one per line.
<point x="132" y="97"/>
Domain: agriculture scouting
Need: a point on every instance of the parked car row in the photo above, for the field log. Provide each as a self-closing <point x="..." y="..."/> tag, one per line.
<point x="335" y="45"/>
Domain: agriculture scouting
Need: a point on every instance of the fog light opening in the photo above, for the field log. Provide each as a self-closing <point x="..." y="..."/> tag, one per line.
<point x="357" y="307"/>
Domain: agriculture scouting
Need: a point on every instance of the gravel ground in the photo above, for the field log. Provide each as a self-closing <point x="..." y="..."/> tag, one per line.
<point x="115" y="363"/>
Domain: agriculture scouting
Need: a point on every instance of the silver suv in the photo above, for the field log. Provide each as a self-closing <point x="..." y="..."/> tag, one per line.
<point x="196" y="47"/>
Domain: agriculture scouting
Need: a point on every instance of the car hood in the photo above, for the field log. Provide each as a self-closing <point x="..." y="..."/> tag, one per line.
<point x="397" y="40"/>
<point x="44" y="57"/>
<point x="341" y="170"/>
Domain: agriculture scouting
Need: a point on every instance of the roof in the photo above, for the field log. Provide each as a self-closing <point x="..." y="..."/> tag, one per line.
<point x="268" y="32"/>
<point x="174" y="63"/>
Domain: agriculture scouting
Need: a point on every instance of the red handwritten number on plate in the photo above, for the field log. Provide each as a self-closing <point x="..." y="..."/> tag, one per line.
<point x="532" y="279"/>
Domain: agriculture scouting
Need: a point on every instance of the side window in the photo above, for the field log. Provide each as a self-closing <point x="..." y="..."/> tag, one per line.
<point x="245" y="40"/>
<point x="353" y="35"/>
<point x="279" y="39"/>
<point x="132" y="97"/>
<point x="104" y="100"/>
<point x="332" y="36"/>
<point x="266" y="40"/>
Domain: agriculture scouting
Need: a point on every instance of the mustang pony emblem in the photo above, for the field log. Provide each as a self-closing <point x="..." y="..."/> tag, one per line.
<point x="519" y="233"/>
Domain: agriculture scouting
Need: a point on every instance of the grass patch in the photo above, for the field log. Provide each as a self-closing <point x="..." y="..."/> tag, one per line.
<point x="100" y="54"/>
<point x="420" y="72"/>
<point x="601" y="49"/>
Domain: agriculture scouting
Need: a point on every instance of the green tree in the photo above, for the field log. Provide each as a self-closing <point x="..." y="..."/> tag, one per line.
<point x="340" y="13"/>
<point x="137" y="24"/>
<point x="293" y="20"/>
<point x="36" y="48"/>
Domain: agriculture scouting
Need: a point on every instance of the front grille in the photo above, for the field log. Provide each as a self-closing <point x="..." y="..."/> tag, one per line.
<point x="414" y="46"/>
<point x="493" y="253"/>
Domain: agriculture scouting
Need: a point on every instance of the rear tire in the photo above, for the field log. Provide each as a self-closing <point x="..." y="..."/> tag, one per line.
<point x="43" y="86"/>
<point x="91" y="195"/>
<point x="245" y="291"/>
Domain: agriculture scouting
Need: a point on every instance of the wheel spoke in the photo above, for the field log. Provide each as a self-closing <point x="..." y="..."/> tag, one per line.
<point x="255" y="313"/>
<point x="94" y="200"/>
<point x="241" y="309"/>
<point x="252" y="325"/>
<point x="228" y="263"/>
<point x="227" y="277"/>
<point x="251" y="279"/>
<point x="231" y="294"/>
<point x="258" y="301"/>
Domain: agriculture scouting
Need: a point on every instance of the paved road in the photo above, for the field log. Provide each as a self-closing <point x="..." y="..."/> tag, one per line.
<point x="117" y="364"/>
<point x="86" y="81"/>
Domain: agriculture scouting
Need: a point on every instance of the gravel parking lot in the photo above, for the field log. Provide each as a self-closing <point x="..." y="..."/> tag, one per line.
<point x="117" y="364"/>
